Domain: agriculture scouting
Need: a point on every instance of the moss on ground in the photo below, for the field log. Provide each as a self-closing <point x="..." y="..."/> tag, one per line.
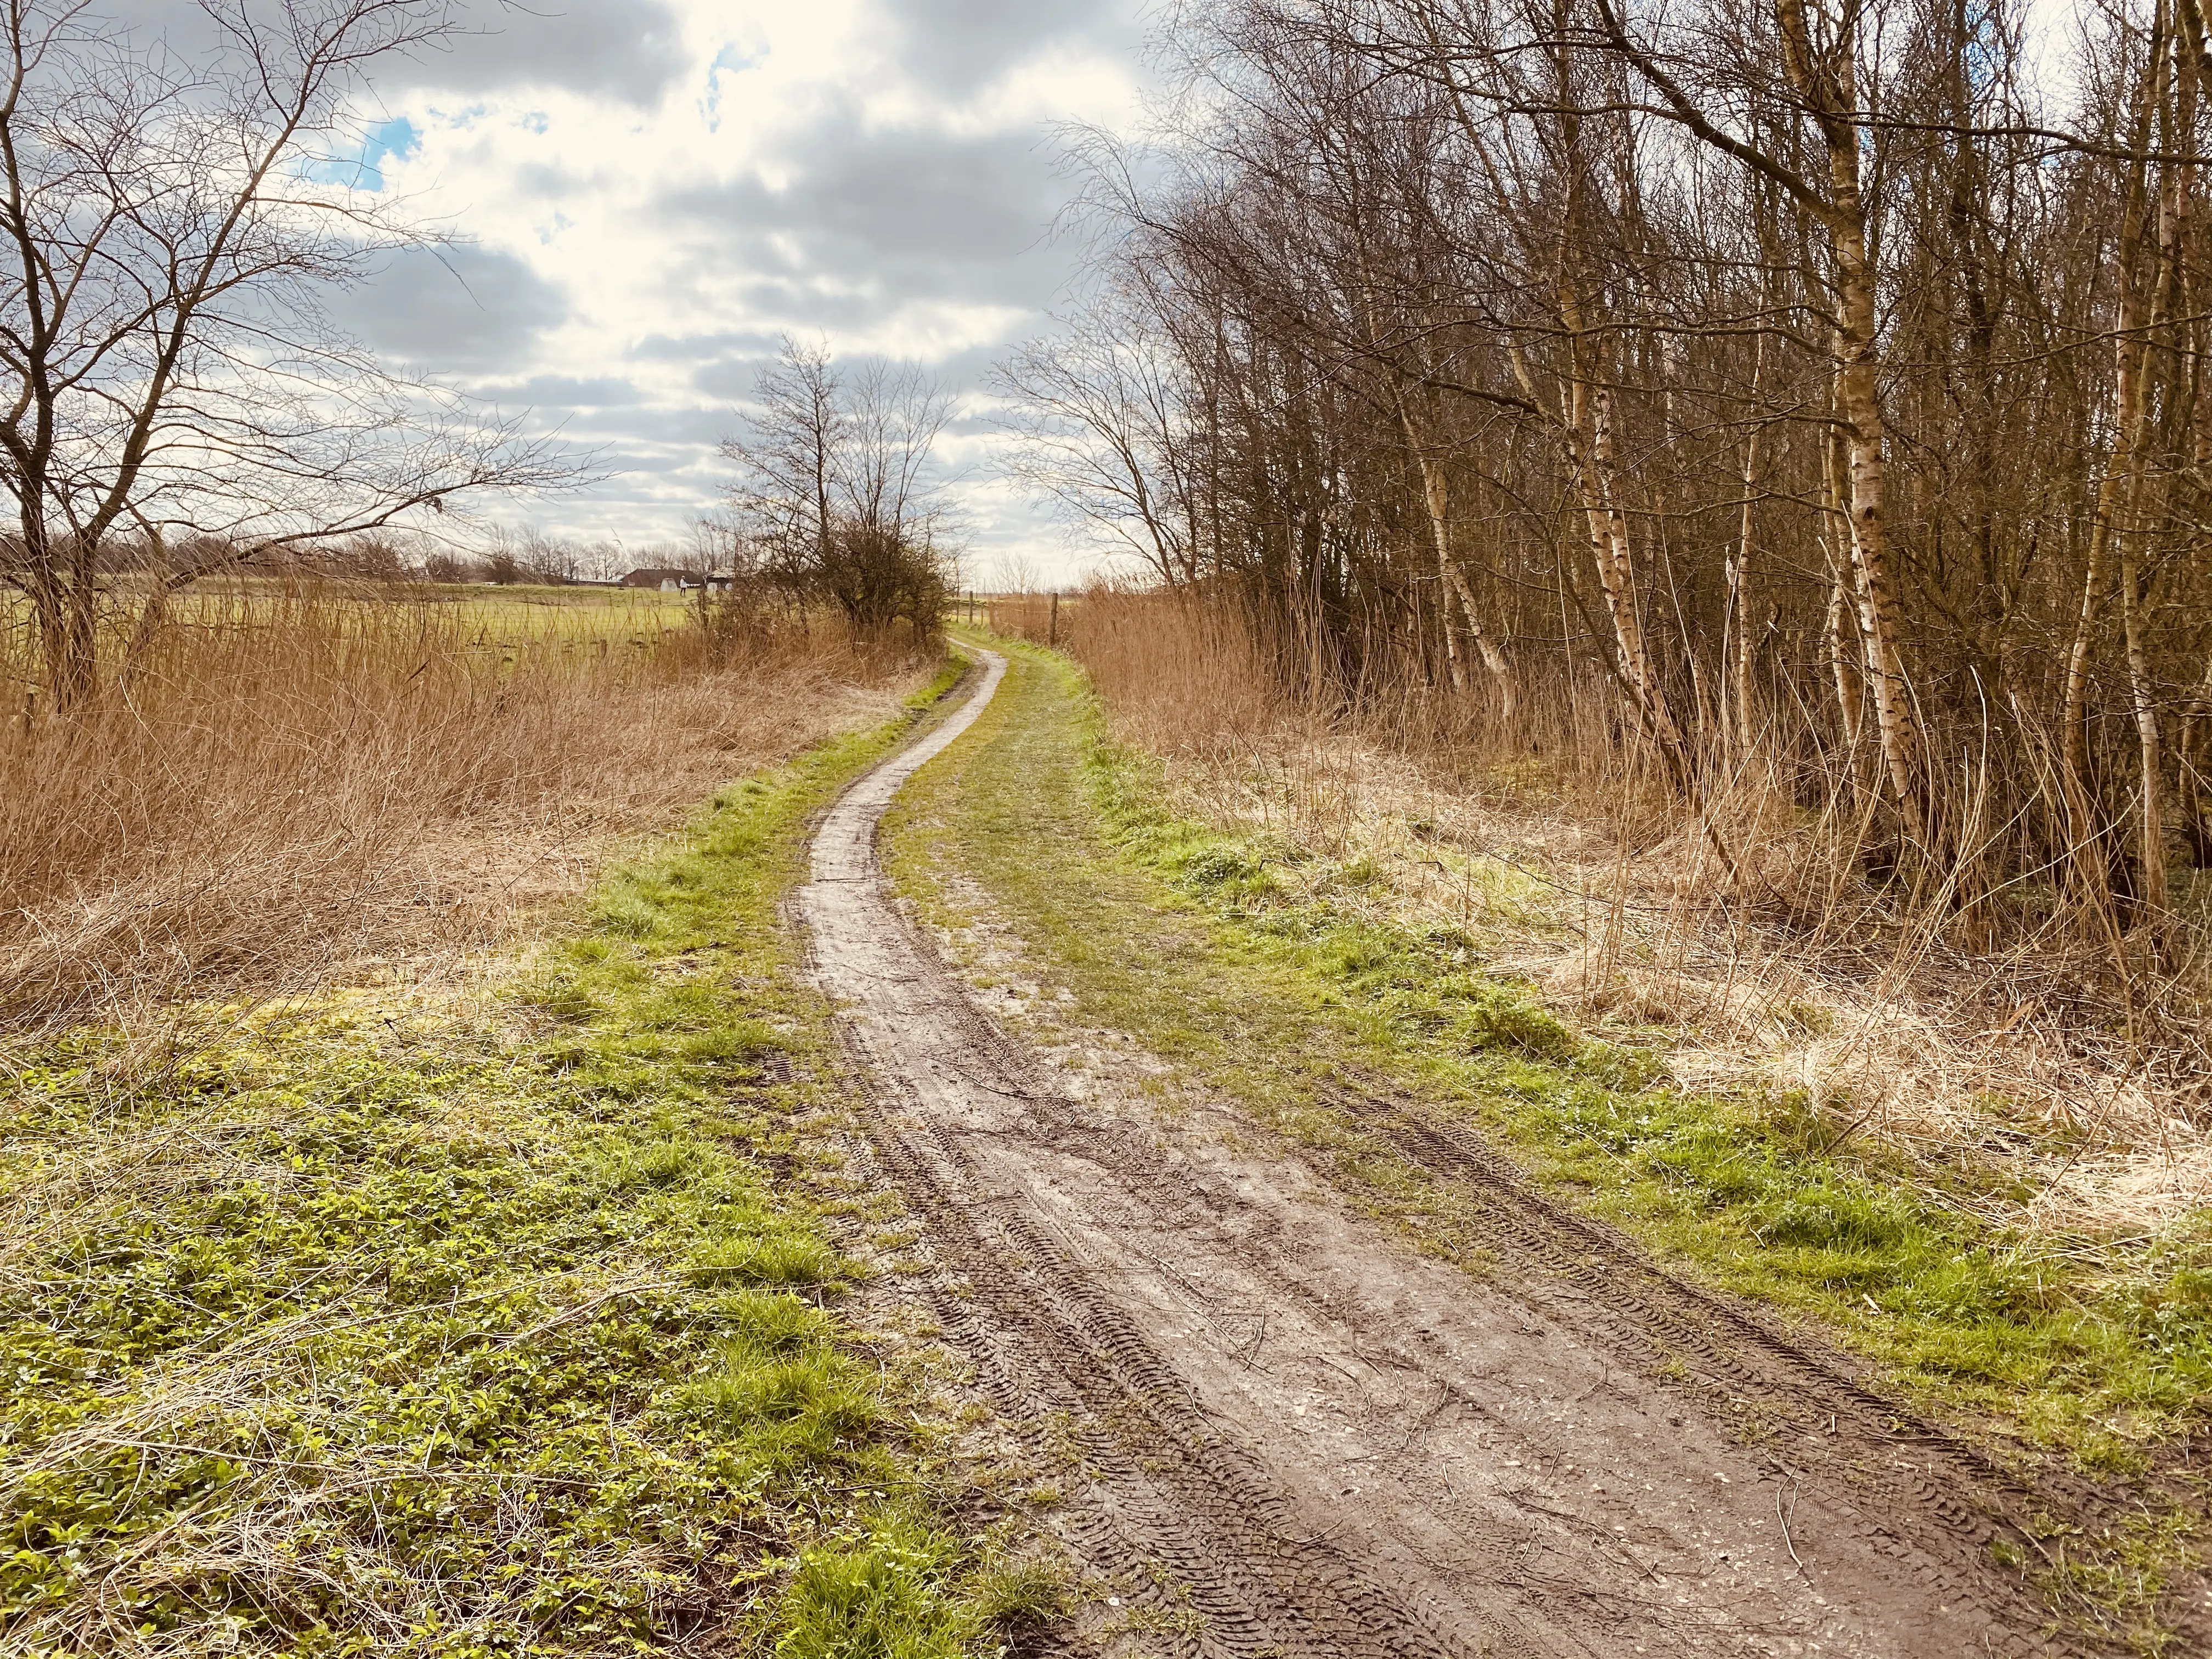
<point x="504" y="1326"/>
<point x="1187" y="939"/>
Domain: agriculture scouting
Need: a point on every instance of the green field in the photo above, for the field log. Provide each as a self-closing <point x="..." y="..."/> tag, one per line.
<point x="504" y="624"/>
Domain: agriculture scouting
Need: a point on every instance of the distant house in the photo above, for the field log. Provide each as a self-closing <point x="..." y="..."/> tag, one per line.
<point x="674" y="581"/>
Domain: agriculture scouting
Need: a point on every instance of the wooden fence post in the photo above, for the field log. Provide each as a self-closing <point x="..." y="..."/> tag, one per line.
<point x="1055" y="639"/>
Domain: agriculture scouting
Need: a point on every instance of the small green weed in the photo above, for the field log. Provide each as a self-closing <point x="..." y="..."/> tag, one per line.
<point x="1189" y="938"/>
<point x="1027" y="1591"/>
<point x="893" y="1592"/>
<point x="785" y="1256"/>
<point x="448" y="1329"/>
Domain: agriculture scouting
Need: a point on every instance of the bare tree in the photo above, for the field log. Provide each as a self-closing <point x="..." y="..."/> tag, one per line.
<point x="789" y="456"/>
<point x="837" y="490"/>
<point x="1776" y="387"/>
<point x="1098" y="407"/>
<point x="1017" y="572"/>
<point x="168" y="369"/>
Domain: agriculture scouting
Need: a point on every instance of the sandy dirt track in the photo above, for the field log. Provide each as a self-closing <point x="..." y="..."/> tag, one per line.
<point x="1297" y="1436"/>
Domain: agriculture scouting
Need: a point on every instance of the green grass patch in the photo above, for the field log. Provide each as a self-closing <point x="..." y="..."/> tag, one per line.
<point x="507" y="1325"/>
<point x="1198" y="944"/>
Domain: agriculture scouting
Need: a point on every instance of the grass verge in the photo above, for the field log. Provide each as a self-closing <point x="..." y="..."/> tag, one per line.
<point x="503" y="1325"/>
<point x="1186" y="939"/>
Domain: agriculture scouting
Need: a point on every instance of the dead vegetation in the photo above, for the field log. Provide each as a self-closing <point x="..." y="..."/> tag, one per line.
<point x="1024" y="616"/>
<point x="290" y="778"/>
<point x="1715" y="496"/>
<point x="1783" y="971"/>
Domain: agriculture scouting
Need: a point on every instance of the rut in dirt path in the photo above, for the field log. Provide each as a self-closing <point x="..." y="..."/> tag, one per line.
<point x="1293" y="1436"/>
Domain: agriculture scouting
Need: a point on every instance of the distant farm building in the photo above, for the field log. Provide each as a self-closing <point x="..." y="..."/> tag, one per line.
<point x="675" y="581"/>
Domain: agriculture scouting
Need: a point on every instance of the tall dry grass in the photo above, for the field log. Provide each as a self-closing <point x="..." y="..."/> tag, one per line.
<point x="287" y="780"/>
<point x="1032" y="617"/>
<point x="1744" y="939"/>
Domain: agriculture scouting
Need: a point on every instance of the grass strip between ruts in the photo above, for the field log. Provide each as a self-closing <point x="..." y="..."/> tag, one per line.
<point x="503" y="1325"/>
<point x="1184" y="938"/>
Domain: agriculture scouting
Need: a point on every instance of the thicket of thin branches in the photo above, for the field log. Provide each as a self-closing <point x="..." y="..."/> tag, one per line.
<point x="174" y="227"/>
<point x="836" y="498"/>
<point x="1802" y="400"/>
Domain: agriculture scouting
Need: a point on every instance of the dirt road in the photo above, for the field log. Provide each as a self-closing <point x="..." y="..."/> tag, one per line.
<point x="1294" y="1435"/>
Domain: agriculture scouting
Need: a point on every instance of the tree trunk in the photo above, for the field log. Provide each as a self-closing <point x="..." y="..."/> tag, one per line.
<point x="2087" y="833"/>
<point x="2150" y="830"/>
<point x="64" y="584"/>
<point x="1858" y="399"/>
<point x="1827" y="78"/>
<point x="1846" y="644"/>
<point x="1736" y="702"/>
<point x="1434" y="491"/>
<point x="2151" y="821"/>
<point x="1459" y="608"/>
<point x="1589" y="421"/>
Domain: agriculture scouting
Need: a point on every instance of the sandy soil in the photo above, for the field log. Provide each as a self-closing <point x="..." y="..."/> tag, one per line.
<point x="1284" y="1432"/>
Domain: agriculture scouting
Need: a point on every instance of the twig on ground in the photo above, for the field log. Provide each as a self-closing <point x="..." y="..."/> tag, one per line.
<point x="1785" y="1520"/>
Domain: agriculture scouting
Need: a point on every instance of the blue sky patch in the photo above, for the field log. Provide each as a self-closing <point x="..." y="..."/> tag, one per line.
<point x="363" y="168"/>
<point x="731" y="60"/>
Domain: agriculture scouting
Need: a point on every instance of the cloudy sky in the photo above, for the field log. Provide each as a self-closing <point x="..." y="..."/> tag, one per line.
<point x="653" y="190"/>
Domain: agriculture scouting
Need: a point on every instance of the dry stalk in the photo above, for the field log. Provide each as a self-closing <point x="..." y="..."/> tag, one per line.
<point x="291" y="780"/>
<point x="1895" y="1015"/>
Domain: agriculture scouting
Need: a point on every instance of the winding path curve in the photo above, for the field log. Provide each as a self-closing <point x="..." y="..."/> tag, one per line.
<point x="1285" y="1433"/>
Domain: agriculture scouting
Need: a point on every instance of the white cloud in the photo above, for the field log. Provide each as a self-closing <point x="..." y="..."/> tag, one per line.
<point x="651" y="203"/>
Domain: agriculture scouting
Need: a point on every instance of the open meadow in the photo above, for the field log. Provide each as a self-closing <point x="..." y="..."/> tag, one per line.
<point x="286" y="778"/>
<point x="420" y="1165"/>
<point x="1293" y="829"/>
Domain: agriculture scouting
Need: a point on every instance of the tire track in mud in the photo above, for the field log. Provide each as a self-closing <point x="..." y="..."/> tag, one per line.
<point x="1723" y="1346"/>
<point x="1291" y="1436"/>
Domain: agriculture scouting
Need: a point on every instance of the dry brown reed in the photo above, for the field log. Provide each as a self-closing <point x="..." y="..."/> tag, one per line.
<point x="1743" y="938"/>
<point x="283" y="780"/>
<point x="1032" y="617"/>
